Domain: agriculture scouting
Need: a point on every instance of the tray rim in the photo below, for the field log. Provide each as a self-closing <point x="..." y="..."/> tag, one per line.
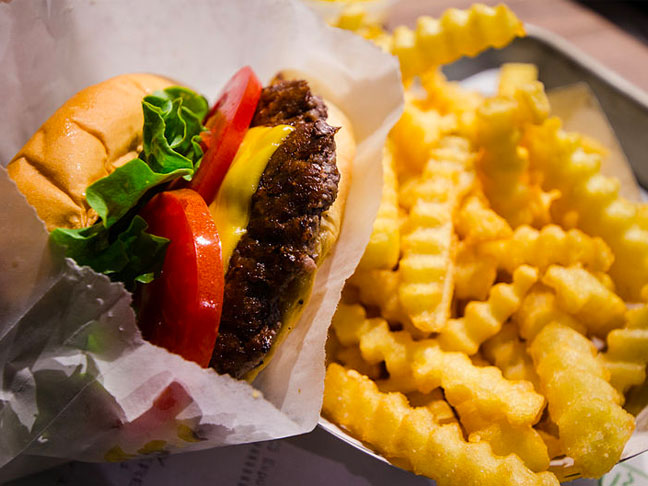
<point x="589" y="63"/>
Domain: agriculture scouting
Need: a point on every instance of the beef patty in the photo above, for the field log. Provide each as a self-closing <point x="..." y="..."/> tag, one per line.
<point x="280" y="249"/>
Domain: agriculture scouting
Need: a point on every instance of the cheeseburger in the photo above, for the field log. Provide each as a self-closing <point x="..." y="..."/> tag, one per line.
<point x="217" y="219"/>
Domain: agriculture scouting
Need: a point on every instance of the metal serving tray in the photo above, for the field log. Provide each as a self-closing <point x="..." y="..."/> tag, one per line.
<point x="560" y="64"/>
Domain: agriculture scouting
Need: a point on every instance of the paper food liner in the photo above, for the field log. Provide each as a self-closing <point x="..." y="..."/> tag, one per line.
<point x="78" y="381"/>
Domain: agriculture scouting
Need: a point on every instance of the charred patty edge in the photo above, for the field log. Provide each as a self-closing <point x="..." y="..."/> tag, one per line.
<point x="274" y="263"/>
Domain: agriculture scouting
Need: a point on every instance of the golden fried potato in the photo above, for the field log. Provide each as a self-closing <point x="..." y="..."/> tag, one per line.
<point x="428" y="241"/>
<point x="627" y="350"/>
<point x="506" y="351"/>
<point x="423" y="366"/>
<point x="387" y="422"/>
<point x="524" y="442"/>
<point x="592" y="201"/>
<point x="593" y="427"/>
<point x="383" y="249"/>
<point x="548" y="246"/>
<point x="582" y="295"/>
<point x="484" y="319"/>
<point x="498" y="243"/>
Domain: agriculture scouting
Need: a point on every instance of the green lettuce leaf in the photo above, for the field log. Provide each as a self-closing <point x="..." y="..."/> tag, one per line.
<point x="172" y="127"/>
<point x="118" y="245"/>
<point x="130" y="256"/>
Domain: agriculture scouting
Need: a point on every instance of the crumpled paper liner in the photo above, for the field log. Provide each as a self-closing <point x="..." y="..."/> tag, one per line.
<point x="78" y="381"/>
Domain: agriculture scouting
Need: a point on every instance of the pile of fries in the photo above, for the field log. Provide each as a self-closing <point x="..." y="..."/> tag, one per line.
<point x="487" y="329"/>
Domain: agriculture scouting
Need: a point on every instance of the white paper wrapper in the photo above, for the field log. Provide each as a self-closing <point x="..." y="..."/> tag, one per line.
<point x="77" y="379"/>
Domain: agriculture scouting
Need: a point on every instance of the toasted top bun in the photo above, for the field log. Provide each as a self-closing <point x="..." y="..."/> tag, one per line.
<point x="93" y="133"/>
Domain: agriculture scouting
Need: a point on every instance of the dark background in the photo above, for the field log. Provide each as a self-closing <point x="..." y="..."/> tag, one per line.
<point x="630" y="16"/>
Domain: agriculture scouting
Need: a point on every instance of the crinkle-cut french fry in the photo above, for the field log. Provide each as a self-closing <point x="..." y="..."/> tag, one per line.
<point x="477" y="222"/>
<point x="474" y="274"/>
<point x="456" y="152"/>
<point x="554" y="447"/>
<point x="436" y="192"/>
<point x="428" y="239"/>
<point x="458" y="462"/>
<point x="379" y="288"/>
<point x="397" y="430"/>
<point x="504" y="162"/>
<point x="532" y="103"/>
<point x="351" y="357"/>
<point x="538" y="309"/>
<point x="352" y="327"/>
<point x="627" y="350"/>
<point x="423" y="366"/>
<point x="451" y="161"/>
<point x="471" y="417"/>
<point x="514" y="75"/>
<point x="503" y="437"/>
<point x="492" y="395"/>
<point x="398" y="351"/>
<point x="548" y="246"/>
<point x="349" y="323"/>
<point x="594" y="199"/>
<point x="506" y="351"/>
<point x="605" y="280"/>
<point x="426" y="283"/>
<point x="525" y="442"/>
<point x="501" y="120"/>
<point x="623" y="373"/>
<point x="435" y="402"/>
<point x="581" y="294"/>
<point x="482" y="320"/>
<point x="354" y="18"/>
<point x="593" y="426"/>
<point x="449" y="97"/>
<point x="457" y="33"/>
<point x="416" y="133"/>
<point x="404" y="45"/>
<point x="383" y="248"/>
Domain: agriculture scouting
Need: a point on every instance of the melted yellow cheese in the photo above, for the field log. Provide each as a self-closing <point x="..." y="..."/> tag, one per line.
<point x="231" y="208"/>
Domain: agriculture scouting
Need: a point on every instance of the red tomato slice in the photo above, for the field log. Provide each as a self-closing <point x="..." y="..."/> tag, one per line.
<point x="227" y="121"/>
<point x="180" y="310"/>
